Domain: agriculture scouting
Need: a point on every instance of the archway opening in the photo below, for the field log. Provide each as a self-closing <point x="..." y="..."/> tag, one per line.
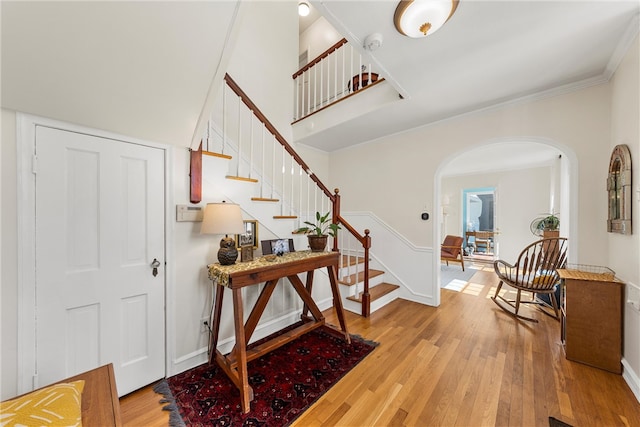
<point x="528" y="177"/>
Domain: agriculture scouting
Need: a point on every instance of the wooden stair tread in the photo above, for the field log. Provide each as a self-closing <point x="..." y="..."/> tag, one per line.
<point x="284" y="217"/>
<point x="376" y="292"/>
<point x="359" y="277"/>
<point x="241" y="178"/>
<point x="264" y="199"/>
<point x="212" y="154"/>
<point x="351" y="260"/>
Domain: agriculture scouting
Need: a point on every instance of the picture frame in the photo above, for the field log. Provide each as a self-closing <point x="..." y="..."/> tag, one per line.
<point x="283" y="246"/>
<point x="250" y="235"/>
<point x="246" y="253"/>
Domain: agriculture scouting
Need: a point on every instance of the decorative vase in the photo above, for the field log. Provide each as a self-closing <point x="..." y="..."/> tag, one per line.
<point x="227" y="254"/>
<point x="317" y="243"/>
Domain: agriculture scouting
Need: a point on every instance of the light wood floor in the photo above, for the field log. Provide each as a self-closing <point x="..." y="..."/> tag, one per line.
<point x="465" y="363"/>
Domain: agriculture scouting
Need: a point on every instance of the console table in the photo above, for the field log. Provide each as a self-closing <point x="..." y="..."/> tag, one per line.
<point x="237" y="276"/>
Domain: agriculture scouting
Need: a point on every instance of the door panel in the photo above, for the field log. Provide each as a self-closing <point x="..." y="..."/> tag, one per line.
<point x="99" y="225"/>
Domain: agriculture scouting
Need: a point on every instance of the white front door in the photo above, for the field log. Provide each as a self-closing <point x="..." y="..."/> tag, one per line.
<point x="99" y="226"/>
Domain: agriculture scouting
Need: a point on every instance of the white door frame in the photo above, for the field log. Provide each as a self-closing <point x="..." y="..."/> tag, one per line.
<point x="25" y="207"/>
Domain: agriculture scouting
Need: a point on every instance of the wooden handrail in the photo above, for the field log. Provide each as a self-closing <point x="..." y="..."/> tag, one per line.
<point x="323" y="55"/>
<point x="256" y="111"/>
<point x="334" y="198"/>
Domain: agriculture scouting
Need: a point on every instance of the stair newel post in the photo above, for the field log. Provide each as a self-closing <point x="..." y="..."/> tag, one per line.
<point x="335" y="214"/>
<point x="366" y="297"/>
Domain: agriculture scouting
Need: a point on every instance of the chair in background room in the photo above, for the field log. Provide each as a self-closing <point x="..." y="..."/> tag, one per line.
<point x="451" y="250"/>
<point x="483" y="240"/>
<point x="535" y="272"/>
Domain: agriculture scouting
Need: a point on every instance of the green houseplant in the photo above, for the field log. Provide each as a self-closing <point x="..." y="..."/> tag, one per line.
<point x="547" y="225"/>
<point x="318" y="231"/>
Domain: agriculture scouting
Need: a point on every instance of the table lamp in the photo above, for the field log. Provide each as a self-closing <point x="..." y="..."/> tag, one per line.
<point x="223" y="218"/>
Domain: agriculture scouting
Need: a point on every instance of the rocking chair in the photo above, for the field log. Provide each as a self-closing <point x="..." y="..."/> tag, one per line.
<point x="535" y="272"/>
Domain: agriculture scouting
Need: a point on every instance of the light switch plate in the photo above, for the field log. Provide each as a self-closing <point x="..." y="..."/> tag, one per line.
<point x="186" y="213"/>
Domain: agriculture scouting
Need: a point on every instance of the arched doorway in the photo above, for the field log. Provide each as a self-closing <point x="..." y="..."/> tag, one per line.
<point x="531" y="176"/>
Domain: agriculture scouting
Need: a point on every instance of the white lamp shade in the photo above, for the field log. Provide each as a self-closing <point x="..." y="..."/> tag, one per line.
<point x="420" y="18"/>
<point x="222" y="218"/>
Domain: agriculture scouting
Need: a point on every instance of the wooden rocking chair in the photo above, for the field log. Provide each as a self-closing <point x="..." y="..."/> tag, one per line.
<point x="535" y="272"/>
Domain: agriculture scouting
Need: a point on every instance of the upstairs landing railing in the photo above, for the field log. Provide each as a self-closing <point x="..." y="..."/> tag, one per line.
<point x="260" y="155"/>
<point x="337" y="73"/>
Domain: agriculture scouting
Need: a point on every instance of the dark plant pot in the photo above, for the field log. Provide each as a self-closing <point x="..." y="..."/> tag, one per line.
<point x="317" y="243"/>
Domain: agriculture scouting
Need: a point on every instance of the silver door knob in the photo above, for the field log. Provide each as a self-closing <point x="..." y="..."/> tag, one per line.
<point x="155" y="264"/>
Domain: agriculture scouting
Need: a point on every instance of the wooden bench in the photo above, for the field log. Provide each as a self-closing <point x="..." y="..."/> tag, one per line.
<point x="100" y="403"/>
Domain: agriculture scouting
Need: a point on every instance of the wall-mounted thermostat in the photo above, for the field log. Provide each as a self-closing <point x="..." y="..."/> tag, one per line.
<point x="186" y="213"/>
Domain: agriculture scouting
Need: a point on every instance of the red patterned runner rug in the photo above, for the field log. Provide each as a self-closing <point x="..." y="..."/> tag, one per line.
<point x="285" y="383"/>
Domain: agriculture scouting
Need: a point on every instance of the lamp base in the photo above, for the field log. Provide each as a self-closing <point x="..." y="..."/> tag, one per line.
<point x="227" y="254"/>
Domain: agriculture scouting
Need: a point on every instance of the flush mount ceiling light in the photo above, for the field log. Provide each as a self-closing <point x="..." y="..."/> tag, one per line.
<point x="303" y="8"/>
<point x="420" y="18"/>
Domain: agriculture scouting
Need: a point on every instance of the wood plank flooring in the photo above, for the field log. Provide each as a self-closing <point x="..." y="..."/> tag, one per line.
<point x="465" y="363"/>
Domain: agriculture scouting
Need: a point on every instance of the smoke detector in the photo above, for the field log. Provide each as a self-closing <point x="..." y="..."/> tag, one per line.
<point x="373" y="41"/>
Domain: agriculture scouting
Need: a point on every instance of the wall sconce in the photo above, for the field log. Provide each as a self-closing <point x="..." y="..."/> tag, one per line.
<point x="420" y="18"/>
<point x="223" y="218"/>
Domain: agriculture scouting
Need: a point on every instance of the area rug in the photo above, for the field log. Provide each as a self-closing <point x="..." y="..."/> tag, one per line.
<point x="554" y="422"/>
<point x="452" y="277"/>
<point x="285" y="382"/>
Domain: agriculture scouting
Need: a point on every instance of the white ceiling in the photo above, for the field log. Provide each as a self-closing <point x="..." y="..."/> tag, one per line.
<point x="490" y="52"/>
<point x="136" y="68"/>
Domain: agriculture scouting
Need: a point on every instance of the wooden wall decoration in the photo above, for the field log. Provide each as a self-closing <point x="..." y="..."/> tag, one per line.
<point x="195" y="174"/>
<point x="619" y="191"/>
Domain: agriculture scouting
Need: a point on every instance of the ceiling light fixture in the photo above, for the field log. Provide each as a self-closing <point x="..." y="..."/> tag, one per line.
<point x="420" y="18"/>
<point x="303" y="8"/>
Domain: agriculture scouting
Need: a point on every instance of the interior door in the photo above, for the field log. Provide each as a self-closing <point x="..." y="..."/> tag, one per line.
<point x="99" y="227"/>
<point x="480" y="214"/>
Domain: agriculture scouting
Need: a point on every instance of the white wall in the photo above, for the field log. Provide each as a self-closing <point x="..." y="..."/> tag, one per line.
<point x="624" y="250"/>
<point x="522" y="190"/>
<point x="9" y="278"/>
<point x="398" y="190"/>
<point x="319" y="37"/>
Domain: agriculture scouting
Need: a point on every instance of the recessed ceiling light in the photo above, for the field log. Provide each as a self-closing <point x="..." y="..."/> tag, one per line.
<point x="303" y="8"/>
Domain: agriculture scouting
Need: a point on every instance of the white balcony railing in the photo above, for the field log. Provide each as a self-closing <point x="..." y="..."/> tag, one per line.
<point x="337" y="73"/>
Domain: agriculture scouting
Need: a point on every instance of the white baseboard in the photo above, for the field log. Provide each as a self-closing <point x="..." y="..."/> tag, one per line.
<point x="631" y="379"/>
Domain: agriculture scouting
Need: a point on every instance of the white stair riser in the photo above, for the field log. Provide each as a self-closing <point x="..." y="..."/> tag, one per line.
<point x="355" y="307"/>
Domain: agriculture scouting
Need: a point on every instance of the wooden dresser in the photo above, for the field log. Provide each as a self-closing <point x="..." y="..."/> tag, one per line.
<point x="592" y="318"/>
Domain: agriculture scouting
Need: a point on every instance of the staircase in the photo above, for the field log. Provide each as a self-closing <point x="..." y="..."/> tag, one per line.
<point x="262" y="157"/>
<point x="381" y="293"/>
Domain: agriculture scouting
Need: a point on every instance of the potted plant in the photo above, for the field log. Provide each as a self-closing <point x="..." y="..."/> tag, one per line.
<point x="550" y="226"/>
<point x="318" y="231"/>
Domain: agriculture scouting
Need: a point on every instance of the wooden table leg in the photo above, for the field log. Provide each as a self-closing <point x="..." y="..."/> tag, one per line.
<point x="309" y="285"/>
<point x="215" y="327"/>
<point x="256" y="313"/>
<point x="337" y="301"/>
<point x="306" y="298"/>
<point x="246" y="393"/>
